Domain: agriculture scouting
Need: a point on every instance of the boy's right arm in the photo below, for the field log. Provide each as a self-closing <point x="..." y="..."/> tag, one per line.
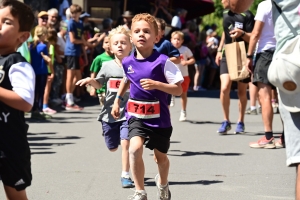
<point x="74" y="40"/>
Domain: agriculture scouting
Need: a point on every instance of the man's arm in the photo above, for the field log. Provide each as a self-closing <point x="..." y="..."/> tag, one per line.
<point x="220" y="49"/>
<point x="236" y="33"/>
<point x="255" y="36"/>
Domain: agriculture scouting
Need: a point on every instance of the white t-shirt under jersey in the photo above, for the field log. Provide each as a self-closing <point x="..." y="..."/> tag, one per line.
<point x="185" y="53"/>
<point x="267" y="38"/>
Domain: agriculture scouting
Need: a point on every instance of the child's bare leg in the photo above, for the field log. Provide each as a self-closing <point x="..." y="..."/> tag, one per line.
<point x="125" y="155"/>
<point x="183" y="101"/>
<point x="163" y="166"/>
<point x="13" y="194"/>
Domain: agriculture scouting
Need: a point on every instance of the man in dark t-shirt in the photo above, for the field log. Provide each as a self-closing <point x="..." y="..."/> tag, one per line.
<point x="238" y="27"/>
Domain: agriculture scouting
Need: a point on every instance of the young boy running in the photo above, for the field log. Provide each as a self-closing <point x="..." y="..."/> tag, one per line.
<point x="17" y="83"/>
<point x="187" y="58"/>
<point x="151" y="77"/>
<point x="97" y="65"/>
<point x="111" y="73"/>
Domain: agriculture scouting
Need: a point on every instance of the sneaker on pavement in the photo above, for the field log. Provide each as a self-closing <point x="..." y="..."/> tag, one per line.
<point x="127" y="182"/>
<point x="49" y="111"/>
<point x="138" y="196"/>
<point x="240" y="128"/>
<point x="40" y="116"/>
<point x="263" y="143"/>
<point x="226" y="126"/>
<point x="73" y="107"/>
<point x="172" y="101"/>
<point x="251" y="112"/>
<point x="182" y="117"/>
<point x="280" y="143"/>
<point x="163" y="193"/>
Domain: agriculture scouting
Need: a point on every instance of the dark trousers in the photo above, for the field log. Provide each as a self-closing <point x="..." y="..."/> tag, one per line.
<point x="40" y="84"/>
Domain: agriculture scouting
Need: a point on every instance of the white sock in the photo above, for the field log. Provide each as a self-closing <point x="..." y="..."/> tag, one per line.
<point x="183" y="111"/>
<point x="69" y="99"/>
<point x="252" y="107"/>
<point x="125" y="174"/>
<point x="141" y="191"/>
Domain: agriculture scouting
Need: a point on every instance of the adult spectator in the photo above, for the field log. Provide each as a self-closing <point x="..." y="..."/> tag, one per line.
<point x="160" y="10"/>
<point x="178" y="18"/>
<point x="238" y="27"/>
<point x="106" y="27"/>
<point x="53" y="19"/>
<point x="127" y="19"/>
<point x="43" y="18"/>
<point x="62" y="9"/>
<point x="291" y="120"/>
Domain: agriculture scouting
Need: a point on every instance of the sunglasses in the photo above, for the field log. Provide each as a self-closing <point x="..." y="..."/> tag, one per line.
<point x="44" y="18"/>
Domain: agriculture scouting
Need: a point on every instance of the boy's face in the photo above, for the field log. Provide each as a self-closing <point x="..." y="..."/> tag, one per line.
<point x="177" y="41"/>
<point x="10" y="37"/>
<point x="143" y="35"/>
<point x="75" y="16"/>
<point x="106" y="45"/>
<point x="120" y="45"/>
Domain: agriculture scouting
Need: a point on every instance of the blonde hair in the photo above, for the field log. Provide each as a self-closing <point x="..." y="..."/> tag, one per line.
<point x="38" y="32"/>
<point x="178" y="33"/>
<point x="119" y="30"/>
<point x="148" y="18"/>
<point x="52" y="35"/>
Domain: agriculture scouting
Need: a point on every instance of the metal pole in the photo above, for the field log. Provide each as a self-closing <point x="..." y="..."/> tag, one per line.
<point x="125" y="6"/>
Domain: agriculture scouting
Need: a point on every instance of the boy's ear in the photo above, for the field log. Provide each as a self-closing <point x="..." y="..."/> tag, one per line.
<point x="23" y="37"/>
<point x="156" y="39"/>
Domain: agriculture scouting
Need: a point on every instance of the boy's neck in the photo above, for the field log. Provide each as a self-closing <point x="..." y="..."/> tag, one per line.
<point x="118" y="61"/>
<point x="143" y="54"/>
<point x="76" y="19"/>
<point x="108" y="53"/>
<point x="7" y="51"/>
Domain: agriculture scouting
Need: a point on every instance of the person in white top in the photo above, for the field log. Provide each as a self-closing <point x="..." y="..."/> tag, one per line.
<point x="263" y="35"/>
<point x="59" y="65"/>
<point x="187" y="58"/>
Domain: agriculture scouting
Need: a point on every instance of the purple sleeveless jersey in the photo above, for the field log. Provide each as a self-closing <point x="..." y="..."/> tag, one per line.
<point x="151" y="68"/>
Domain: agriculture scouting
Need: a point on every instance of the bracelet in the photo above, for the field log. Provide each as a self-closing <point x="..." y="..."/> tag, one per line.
<point x="243" y="34"/>
<point x="249" y="56"/>
<point x="220" y="51"/>
<point x="119" y="97"/>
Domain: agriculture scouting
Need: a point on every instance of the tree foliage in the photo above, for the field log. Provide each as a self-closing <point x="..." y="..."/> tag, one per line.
<point x="217" y="16"/>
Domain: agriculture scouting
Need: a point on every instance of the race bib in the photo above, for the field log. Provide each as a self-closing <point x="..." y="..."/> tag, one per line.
<point x="238" y="25"/>
<point x="113" y="84"/>
<point x="143" y="109"/>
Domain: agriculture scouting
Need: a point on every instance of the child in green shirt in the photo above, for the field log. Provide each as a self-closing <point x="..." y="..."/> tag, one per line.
<point x="96" y="66"/>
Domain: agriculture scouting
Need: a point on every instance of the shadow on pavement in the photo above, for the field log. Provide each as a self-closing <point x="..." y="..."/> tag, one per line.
<point x="200" y="182"/>
<point x="202" y="122"/>
<point x="175" y="142"/>
<point x="37" y="147"/>
<point x="211" y="94"/>
<point x="208" y="153"/>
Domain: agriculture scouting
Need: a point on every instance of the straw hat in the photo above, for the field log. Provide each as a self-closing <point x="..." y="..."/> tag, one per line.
<point x="127" y="14"/>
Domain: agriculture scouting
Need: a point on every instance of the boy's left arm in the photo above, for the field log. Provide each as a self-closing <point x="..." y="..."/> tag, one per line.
<point x="22" y="78"/>
<point x="173" y="76"/>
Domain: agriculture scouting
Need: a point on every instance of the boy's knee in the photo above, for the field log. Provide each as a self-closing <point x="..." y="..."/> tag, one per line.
<point x="135" y="150"/>
<point x="162" y="159"/>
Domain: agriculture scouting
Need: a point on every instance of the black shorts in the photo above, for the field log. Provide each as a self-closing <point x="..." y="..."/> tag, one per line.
<point x="260" y="74"/>
<point x="169" y="99"/>
<point x="224" y="70"/>
<point x="73" y="62"/>
<point x="15" y="171"/>
<point x="155" y="138"/>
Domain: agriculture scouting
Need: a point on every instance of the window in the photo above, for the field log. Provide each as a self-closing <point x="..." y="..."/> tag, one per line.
<point x="100" y="12"/>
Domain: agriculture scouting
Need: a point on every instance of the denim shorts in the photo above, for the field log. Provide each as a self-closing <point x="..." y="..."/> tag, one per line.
<point x="114" y="132"/>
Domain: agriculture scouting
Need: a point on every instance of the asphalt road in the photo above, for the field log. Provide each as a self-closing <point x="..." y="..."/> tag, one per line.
<point x="70" y="160"/>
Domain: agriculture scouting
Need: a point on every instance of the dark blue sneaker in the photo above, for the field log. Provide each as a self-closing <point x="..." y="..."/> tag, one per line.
<point x="226" y="126"/>
<point x="127" y="182"/>
<point x="240" y="128"/>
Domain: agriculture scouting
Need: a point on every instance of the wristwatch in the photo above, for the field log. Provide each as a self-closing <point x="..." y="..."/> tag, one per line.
<point x="249" y="56"/>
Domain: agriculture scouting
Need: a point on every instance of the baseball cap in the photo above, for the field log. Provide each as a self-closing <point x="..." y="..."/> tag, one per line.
<point x="42" y="13"/>
<point x="284" y="73"/>
<point x="209" y="31"/>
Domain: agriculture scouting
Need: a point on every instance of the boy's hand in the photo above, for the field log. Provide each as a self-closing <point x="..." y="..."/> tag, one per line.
<point x="84" y="81"/>
<point x="115" y="112"/>
<point x="46" y="58"/>
<point x="50" y="77"/>
<point x="183" y="62"/>
<point x="148" y="84"/>
<point x="93" y="91"/>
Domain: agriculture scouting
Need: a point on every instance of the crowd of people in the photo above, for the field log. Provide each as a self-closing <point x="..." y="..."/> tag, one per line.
<point x="135" y="69"/>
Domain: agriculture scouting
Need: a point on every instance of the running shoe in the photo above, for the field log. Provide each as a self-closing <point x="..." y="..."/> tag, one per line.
<point x="240" y="128"/>
<point x="73" y="107"/>
<point x="127" y="182"/>
<point x="40" y="116"/>
<point x="138" y="196"/>
<point x="172" y="101"/>
<point x="280" y="143"/>
<point x="263" y="143"/>
<point x="49" y="111"/>
<point x="163" y="193"/>
<point x="182" y="117"/>
<point x="251" y="112"/>
<point x="226" y="126"/>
